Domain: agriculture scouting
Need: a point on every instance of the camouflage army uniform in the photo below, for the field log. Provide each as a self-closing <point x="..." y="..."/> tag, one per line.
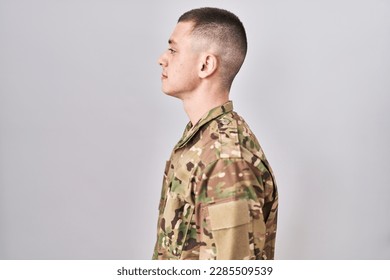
<point x="219" y="198"/>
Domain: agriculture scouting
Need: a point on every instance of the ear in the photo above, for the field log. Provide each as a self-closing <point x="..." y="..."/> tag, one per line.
<point x="208" y="65"/>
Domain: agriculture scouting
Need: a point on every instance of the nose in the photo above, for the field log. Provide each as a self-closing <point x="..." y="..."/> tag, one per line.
<point x="162" y="61"/>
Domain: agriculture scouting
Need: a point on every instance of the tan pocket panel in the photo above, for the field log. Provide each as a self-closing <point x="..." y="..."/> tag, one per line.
<point x="229" y="223"/>
<point x="229" y="214"/>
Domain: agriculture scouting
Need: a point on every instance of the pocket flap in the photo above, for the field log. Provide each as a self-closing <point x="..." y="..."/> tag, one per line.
<point x="229" y="214"/>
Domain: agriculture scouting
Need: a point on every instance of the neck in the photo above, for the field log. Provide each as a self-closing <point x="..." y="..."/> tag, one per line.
<point x="200" y="103"/>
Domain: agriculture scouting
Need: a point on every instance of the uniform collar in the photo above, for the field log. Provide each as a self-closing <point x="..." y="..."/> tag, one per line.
<point x="214" y="113"/>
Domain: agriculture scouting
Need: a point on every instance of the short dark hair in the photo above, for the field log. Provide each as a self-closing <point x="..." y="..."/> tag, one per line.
<point x="225" y="30"/>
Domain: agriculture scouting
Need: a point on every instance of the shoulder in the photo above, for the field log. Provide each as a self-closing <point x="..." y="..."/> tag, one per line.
<point x="228" y="131"/>
<point x="236" y="139"/>
<point x="221" y="137"/>
<point x="227" y="136"/>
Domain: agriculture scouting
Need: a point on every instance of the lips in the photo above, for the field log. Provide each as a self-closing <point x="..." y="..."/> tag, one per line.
<point x="163" y="76"/>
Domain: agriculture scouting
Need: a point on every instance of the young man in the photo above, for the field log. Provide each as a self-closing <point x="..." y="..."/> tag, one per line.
<point x="219" y="197"/>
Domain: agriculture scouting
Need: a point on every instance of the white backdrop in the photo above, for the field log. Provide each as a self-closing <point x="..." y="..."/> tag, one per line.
<point x="85" y="130"/>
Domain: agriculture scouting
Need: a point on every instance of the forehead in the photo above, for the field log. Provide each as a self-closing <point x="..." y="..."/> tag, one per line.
<point x="181" y="32"/>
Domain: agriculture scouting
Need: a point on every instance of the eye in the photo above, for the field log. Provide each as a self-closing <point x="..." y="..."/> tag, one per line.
<point x="171" y="51"/>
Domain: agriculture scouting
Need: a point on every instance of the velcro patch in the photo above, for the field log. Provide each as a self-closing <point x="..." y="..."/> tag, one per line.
<point x="229" y="214"/>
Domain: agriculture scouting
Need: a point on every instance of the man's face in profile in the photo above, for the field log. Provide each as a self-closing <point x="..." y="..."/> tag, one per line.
<point x="179" y="63"/>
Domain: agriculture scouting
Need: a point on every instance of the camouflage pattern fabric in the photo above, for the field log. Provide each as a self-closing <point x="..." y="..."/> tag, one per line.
<point x="219" y="198"/>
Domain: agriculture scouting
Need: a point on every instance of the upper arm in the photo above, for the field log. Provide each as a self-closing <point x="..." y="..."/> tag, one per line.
<point x="229" y="210"/>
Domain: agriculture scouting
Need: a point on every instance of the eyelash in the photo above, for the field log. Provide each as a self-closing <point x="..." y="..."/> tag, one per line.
<point x="172" y="51"/>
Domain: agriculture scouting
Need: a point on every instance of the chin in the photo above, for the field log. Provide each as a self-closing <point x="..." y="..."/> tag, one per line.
<point x="170" y="93"/>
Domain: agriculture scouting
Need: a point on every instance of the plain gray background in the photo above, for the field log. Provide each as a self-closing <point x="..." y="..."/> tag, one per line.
<point x="85" y="129"/>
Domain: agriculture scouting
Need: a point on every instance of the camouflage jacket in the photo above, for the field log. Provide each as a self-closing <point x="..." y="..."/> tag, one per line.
<point x="219" y="198"/>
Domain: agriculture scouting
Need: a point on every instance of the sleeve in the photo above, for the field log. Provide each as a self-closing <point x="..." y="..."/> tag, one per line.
<point x="228" y="202"/>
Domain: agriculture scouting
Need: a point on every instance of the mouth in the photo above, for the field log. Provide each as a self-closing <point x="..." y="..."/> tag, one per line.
<point x="164" y="75"/>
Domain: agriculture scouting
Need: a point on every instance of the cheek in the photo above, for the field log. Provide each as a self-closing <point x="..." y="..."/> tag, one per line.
<point x="183" y="69"/>
<point x="188" y="68"/>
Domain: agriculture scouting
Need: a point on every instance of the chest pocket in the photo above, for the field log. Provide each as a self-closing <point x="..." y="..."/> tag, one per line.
<point x="175" y="223"/>
<point x="177" y="208"/>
